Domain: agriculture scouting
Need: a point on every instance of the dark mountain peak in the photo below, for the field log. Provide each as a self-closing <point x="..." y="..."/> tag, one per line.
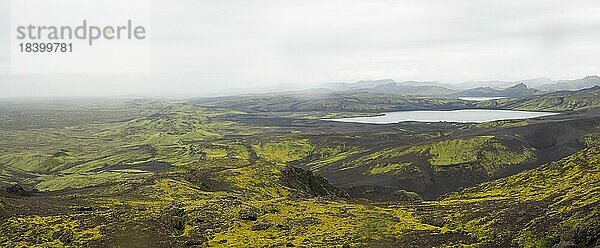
<point x="537" y="82"/>
<point x="517" y="90"/>
<point x="519" y="86"/>
<point x="386" y="88"/>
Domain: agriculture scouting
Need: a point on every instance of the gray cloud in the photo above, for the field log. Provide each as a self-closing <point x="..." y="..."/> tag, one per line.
<point x="205" y="46"/>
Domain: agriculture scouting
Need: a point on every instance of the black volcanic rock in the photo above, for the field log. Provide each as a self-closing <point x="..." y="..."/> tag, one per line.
<point x="18" y="190"/>
<point x="309" y="183"/>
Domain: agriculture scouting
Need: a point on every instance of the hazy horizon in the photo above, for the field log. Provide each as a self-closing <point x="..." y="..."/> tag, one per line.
<point x="214" y="47"/>
<point x="278" y="88"/>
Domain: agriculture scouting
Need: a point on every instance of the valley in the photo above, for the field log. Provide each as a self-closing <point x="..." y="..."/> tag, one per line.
<point x="267" y="171"/>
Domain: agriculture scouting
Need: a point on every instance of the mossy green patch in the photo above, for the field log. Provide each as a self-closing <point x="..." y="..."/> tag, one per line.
<point x="456" y="151"/>
<point x="326" y="155"/>
<point x="319" y="223"/>
<point x="487" y="152"/>
<point x="82" y="180"/>
<point x="388" y="168"/>
<point x="48" y="231"/>
<point x="283" y="151"/>
<point x="591" y="139"/>
<point x="504" y="123"/>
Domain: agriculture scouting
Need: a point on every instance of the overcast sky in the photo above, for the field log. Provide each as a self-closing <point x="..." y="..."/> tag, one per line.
<point x="200" y="46"/>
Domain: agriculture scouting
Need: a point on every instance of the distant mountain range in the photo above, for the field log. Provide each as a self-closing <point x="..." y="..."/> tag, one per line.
<point x="586" y="82"/>
<point x="533" y="83"/>
<point x="468" y="89"/>
<point x="518" y="90"/>
<point x="390" y="86"/>
<point x="410" y="89"/>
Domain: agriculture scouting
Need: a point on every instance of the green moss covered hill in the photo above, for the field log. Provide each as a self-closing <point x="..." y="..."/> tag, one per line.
<point x="558" y="203"/>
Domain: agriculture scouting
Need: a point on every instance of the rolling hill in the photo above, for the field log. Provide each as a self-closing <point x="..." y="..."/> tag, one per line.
<point x="558" y="101"/>
<point x="556" y="204"/>
<point x="515" y="91"/>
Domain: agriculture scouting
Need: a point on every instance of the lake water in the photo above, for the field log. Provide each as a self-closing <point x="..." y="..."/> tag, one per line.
<point x="463" y="115"/>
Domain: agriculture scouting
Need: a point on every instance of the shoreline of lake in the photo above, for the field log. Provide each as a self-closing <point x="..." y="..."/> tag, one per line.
<point x="459" y="116"/>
